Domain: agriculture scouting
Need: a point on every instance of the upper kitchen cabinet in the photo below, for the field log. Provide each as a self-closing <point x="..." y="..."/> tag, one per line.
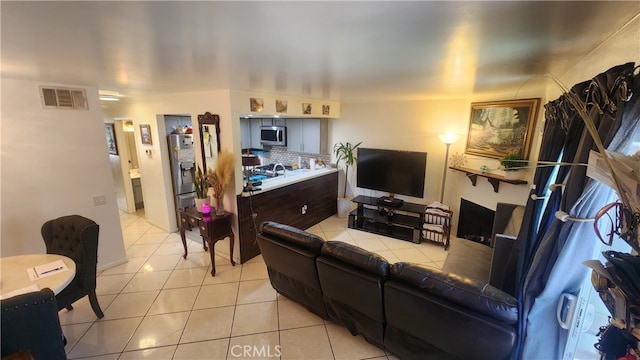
<point x="308" y="135"/>
<point x="250" y="133"/>
<point x="245" y="133"/>
<point x="255" y="133"/>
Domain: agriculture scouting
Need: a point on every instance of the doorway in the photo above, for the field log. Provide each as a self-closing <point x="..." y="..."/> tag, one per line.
<point x="129" y="196"/>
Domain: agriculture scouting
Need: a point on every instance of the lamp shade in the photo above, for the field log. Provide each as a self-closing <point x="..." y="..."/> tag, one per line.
<point x="449" y="138"/>
<point x="250" y="160"/>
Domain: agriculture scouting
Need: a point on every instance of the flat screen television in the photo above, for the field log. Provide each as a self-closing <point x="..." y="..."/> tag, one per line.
<point x="392" y="171"/>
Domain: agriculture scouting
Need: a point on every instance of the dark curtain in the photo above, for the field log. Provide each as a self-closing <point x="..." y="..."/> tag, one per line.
<point x="555" y="133"/>
<point x="603" y="97"/>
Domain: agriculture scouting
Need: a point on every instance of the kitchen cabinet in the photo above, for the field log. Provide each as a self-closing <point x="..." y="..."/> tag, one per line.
<point x="245" y="133"/>
<point x="317" y="196"/>
<point x="250" y="133"/>
<point x="255" y="133"/>
<point x="307" y="135"/>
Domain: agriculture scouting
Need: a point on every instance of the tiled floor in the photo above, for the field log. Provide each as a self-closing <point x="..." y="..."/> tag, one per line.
<point x="161" y="306"/>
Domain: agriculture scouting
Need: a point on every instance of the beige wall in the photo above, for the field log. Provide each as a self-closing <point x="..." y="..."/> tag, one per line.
<point x="621" y="48"/>
<point x="154" y="167"/>
<point x="415" y="125"/>
<point x="53" y="163"/>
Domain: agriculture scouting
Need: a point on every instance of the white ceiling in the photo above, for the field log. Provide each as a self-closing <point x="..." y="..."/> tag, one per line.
<point x="336" y="50"/>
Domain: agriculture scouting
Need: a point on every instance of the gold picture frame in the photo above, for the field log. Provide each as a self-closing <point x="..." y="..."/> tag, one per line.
<point x="499" y="128"/>
<point x="256" y="104"/>
<point x="281" y="106"/>
<point x="145" y="134"/>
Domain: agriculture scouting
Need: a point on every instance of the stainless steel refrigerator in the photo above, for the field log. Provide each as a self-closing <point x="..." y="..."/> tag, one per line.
<point x="183" y="167"/>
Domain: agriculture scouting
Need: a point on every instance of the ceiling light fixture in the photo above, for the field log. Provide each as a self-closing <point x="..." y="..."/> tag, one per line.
<point x="108" y="97"/>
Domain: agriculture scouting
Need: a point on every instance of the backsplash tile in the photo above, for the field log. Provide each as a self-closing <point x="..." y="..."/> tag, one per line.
<point x="280" y="154"/>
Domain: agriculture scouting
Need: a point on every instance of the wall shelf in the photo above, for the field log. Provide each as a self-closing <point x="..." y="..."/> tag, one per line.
<point x="493" y="179"/>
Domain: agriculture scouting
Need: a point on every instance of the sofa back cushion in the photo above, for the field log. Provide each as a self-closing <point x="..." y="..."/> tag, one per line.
<point x="469" y="293"/>
<point x="357" y="257"/>
<point x="430" y="312"/>
<point x="351" y="279"/>
<point x="290" y="255"/>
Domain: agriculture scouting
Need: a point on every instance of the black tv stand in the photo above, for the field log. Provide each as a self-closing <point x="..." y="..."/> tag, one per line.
<point x="402" y="222"/>
<point x="390" y="201"/>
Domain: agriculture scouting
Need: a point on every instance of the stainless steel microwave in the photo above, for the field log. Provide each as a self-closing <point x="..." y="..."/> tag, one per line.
<point x="273" y="135"/>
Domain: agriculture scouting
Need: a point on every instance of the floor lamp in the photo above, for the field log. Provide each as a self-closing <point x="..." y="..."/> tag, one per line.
<point x="447" y="139"/>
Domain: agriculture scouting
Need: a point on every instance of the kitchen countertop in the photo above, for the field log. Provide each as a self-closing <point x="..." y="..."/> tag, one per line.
<point x="290" y="177"/>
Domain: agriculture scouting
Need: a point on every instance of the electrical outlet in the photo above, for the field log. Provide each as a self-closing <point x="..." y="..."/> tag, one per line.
<point x="304" y="209"/>
<point x="99" y="200"/>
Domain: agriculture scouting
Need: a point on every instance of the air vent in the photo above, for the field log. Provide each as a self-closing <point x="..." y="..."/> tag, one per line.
<point x="64" y="98"/>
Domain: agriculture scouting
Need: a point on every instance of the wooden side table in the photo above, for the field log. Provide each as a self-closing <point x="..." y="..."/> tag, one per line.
<point x="212" y="228"/>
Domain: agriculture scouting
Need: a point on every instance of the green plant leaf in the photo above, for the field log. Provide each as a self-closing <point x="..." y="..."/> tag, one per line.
<point x="346" y="152"/>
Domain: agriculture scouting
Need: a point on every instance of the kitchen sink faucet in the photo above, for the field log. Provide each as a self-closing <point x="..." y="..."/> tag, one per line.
<point x="275" y="169"/>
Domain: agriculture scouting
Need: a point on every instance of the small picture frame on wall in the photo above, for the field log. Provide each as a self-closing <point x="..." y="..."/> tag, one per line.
<point x="281" y="106"/>
<point x="257" y="104"/>
<point x="306" y="108"/>
<point x="145" y="134"/>
<point x="325" y="110"/>
<point x="112" y="145"/>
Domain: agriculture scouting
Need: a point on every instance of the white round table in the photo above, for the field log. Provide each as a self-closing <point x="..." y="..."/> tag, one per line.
<point x="14" y="276"/>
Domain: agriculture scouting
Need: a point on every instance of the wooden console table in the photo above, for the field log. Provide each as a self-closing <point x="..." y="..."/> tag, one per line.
<point x="212" y="228"/>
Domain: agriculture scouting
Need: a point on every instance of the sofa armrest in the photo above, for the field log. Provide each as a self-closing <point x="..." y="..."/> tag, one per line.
<point x="502" y="246"/>
<point x="472" y="294"/>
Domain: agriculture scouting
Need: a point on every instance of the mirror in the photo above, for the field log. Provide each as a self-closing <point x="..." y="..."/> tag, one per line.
<point x="209" y="126"/>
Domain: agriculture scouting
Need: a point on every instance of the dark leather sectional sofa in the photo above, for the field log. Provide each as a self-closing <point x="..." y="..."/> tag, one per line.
<point x="413" y="311"/>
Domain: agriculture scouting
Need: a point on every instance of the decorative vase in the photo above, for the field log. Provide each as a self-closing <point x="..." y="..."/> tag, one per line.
<point x="200" y="202"/>
<point x="344" y="205"/>
<point x="512" y="175"/>
<point x="219" y="206"/>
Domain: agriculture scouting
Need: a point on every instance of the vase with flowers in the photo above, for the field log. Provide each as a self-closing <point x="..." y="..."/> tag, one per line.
<point x="219" y="177"/>
<point x="202" y="187"/>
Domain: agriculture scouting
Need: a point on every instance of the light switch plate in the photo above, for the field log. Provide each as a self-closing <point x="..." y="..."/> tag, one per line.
<point x="99" y="200"/>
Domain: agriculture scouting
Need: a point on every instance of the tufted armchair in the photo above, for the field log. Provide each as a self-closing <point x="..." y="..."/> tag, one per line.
<point x="30" y="323"/>
<point x="75" y="237"/>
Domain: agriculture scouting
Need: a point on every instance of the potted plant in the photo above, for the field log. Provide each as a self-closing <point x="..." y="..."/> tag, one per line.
<point x="220" y="177"/>
<point x="511" y="163"/>
<point x="202" y="187"/>
<point x="346" y="152"/>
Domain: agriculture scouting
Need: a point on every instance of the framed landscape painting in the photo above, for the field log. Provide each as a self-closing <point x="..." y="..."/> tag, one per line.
<point x="499" y="128"/>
